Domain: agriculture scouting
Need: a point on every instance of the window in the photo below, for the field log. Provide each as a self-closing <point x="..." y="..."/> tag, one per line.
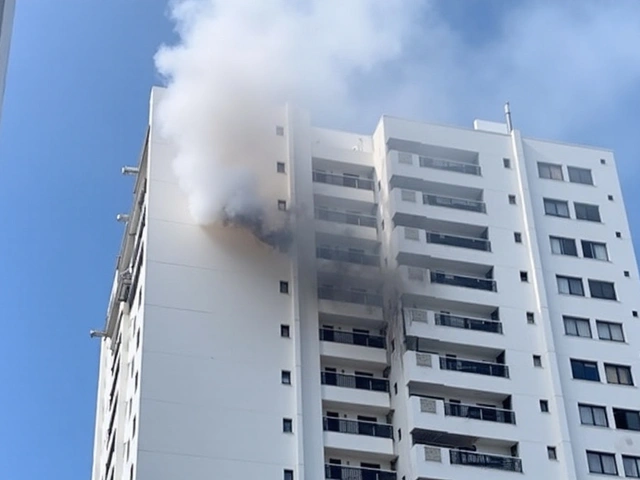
<point x="286" y="377"/>
<point x="552" y="453"/>
<point x="550" y="170"/>
<point x="595" y="250"/>
<point x="537" y="361"/>
<point x="570" y="285"/>
<point x="563" y="246"/>
<point x="408" y="195"/>
<point x="288" y="475"/>
<point x="618" y="374"/>
<point x="395" y="388"/>
<point x="610" y="331"/>
<point x="585" y="370"/>
<point x="585" y="211"/>
<point x="517" y="237"/>
<point x="280" y="167"/>
<point x="506" y="162"/>
<point x="593" y="415"/>
<point x="279" y="130"/>
<point x="618" y="234"/>
<point x="580" y="175"/>
<point x="524" y="276"/>
<point x="634" y="313"/>
<point x="399" y="434"/>
<point x="544" y="406"/>
<point x="603" y="161"/>
<point x="411" y="233"/>
<point x="531" y="318"/>
<point x="600" y="289"/>
<point x="133" y="427"/>
<point x="631" y="466"/>
<point x="626" y="419"/>
<point x="285" y="331"/>
<point x="610" y="198"/>
<point x="136" y="382"/>
<point x="556" y="208"/>
<point x="626" y="273"/>
<point x="577" y="327"/>
<point x="284" y="287"/>
<point x="512" y="199"/>
<point x="287" y="425"/>
<point x="282" y="205"/>
<point x="602" y="463"/>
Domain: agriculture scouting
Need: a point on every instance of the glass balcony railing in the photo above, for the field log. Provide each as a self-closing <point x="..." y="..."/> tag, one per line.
<point x="452" y="202"/>
<point x="464" y="281"/>
<point x="474" y="366"/>
<point x="459" y="241"/>
<point x="468" y="323"/>
<point x="498" y="462"/>
<point x="352" y="338"/>
<point x="339" y="472"/>
<point x="350" y="256"/>
<point x="359" y="382"/>
<point x="343" y="180"/>
<point x="350" y="296"/>
<point x="357" y="427"/>
<point x="479" y="413"/>
<point x="349" y="218"/>
<point x="450" y="165"/>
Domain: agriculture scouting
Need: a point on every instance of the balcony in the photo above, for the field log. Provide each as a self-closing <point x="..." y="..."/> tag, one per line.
<point x="339" y="472"/>
<point x="474" y="366"/>
<point x="459" y="241"/>
<point x="453" y="202"/>
<point x="349" y="218"/>
<point x="357" y="427"/>
<point x="350" y="296"/>
<point x="468" y="323"/>
<point x="449" y="165"/>
<point x="342" y="223"/>
<point x="359" y="382"/>
<point x="343" y="180"/>
<point x="345" y="255"/>
<point x="485" y="460"/>
<point x="487" y="414"/>
<point x="466" y="281"/>
<point x="352" y="338"/>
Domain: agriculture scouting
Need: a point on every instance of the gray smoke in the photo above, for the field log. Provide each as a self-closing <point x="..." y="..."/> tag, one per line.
<point x="235" y="63"/>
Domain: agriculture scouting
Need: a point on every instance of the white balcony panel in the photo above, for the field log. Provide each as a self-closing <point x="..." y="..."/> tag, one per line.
<point x="368" y="355"/>
<point x="347" y="268"/>
<point x="355" y="396"/>
<point x="345" y="309"/>
<point x="358" y="444"/>
<point x="347" y="193"/>
<point x="347" y="230"/>
<point x="396" y="167"/>
<point x="326" y="151"/>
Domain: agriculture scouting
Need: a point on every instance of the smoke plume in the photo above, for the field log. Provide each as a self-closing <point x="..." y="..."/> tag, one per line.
<point x="236" y="61"/>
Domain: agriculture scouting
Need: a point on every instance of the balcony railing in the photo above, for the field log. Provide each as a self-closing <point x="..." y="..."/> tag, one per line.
<point x="468" y="323"/>
<point x="352" y="338"/>
<point x="498" y="462"/>
<point x="342" y="180"/>
<point x="459" y="241"/>
<point x="350" y="296"/>
<point x="349" y="218"/>
<point x="474" y="366"/>
<point x="451" y="165"/>
<point x="357" y="427"/>
<point x="339" y="472"/>
<point x="463" y="281"/>
<point x="452" y="202"/>
<point x="342" y="255"/>
<point x="359" y="382"/>
<point x="479" y="413"/>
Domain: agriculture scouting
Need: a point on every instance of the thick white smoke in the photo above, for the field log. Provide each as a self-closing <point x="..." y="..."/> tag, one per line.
<point x="235" y="60"/>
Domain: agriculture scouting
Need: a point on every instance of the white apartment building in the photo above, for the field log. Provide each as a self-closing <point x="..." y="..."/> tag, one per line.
<point x="458" y="303"/>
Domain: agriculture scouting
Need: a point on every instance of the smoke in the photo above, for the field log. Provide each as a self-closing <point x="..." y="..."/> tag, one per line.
<point x="236" y="63"/>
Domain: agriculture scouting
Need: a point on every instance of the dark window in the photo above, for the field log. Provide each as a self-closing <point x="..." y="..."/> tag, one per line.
<point x="556" y="208"/>
<point x="282" y="205"/>
<point x="399" y="434"/>
<point x="618" y="374"/>
<point x="524" y="276"/>
<point x="577" y="327"/>
<point x="279" y="130"/>
<point x="600" y="289"/>
<point x="593" y="415"/>
<point x="512" y="199"/>
<point x="287" y="425"/>
<point x="585" y="211"/>
<point x="610" y="331"/>
<point x="595" y="250"/>
<point x="602" y="463"/>
<point x="610" y="197"/>
<point x="631" y="466"/>
<point x="286" y="377"/>
<point x="626" y="419"/>
<point x="603" y="161"/>
<point x="563" y="246"/>
<point x="634" y="313"/>
<point x="537" y="361"/>
<point x="288" y="475"/>
<point x="395" y="388"/>
<point x="531" y="317"/>
<point x="585" y="370"/>
<point x="618" y="235"/>
<point x="626" y="273"/>
<point x="280" y="167"/>
<point x="517" y="236"/>
<point x="552" y="453"/>
<point x="285" y="331"/>
<point x="570" y="285"/>
<point x="284" y="287"/>
<point x="550" y="170"/>
<point x="506" y="162"/>
<point x="580" y="175"/>
<point x="544" y="406"/>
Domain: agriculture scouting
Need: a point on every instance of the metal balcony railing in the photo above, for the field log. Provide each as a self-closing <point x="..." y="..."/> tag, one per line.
<point x="498" y="462"/>
<point x="474" y="366"/>
<point x="468" y="323"/>
<point x="464" y="281"/>
<point x="357" y="427"/>
<point x="339" y="472"/>
<point x="352" y="338"/>
<point x="345" y="255"/>
<point x="342" y="180"/>
<point x="488" y="414"/>
<point x="452" y="202"/>
<point x="459" y="241"/>
<point x="350" y="296"/>
<point x="348" y="218"/>
<point x="451" y="165"/>
<point x="359" y="382"/>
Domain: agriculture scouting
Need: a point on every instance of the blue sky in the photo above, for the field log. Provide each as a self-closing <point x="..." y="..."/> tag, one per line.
<point x="75" y="111"/>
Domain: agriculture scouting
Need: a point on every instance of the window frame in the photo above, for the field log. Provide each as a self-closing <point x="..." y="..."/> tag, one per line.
<point x="593" y="367"/>
<point x="556" y="202"/>
<point x="608" y="325"/>
<point x="585" y="208"/>
<point x="592" y="282"/>
<point x="591" y="408"/>
<point x="600" y="455"/>
<point x="570" y="288"/>
<point x="636" y="464"/>
<point x="589" y="250"/>
<point x="577" y="321"/>
<point x="581" y="175"/>
<point x="626" y="411"/>
<point x="549" y="172"/>
<point x="617" y="369"/>
<point x="562" y="243"/>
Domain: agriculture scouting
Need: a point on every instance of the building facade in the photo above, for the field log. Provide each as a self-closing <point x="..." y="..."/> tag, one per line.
<point x="458" y="303"/>
<point x="7" y="11"/>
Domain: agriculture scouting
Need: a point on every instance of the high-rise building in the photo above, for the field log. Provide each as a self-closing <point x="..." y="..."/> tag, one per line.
<point x="7" y="9"/>
<point x="458" y="303"/>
